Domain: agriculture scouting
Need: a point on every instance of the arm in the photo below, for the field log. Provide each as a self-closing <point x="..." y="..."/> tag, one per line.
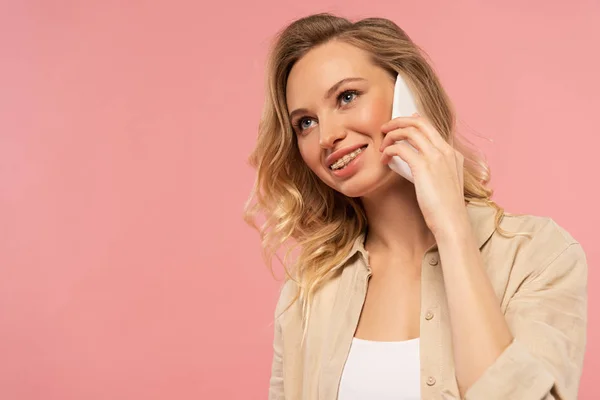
<point x="535" y="350"/>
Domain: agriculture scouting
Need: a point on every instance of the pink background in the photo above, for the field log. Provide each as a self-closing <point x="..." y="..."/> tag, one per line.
<point x="126" y="271"/>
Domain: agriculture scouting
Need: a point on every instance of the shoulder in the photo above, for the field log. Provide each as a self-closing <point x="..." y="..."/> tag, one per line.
<point x="543" y="228"/>
<point x="287" y="302"/>
<point x="542" y="244"/>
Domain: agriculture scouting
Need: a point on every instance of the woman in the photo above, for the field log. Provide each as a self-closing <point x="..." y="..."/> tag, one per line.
<point x="400" y="290"/>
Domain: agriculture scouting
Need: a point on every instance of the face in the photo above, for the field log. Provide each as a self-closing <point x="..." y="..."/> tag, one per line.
<point x="338" y="101"/>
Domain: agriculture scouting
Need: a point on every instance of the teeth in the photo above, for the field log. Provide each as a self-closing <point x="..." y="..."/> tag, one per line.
<point x="342" y="162"/>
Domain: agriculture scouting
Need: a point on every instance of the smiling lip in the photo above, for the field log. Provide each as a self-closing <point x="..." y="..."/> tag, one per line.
<point x="336" y="155"/>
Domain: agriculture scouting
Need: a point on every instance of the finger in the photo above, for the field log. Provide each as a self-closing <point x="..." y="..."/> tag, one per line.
<point x="404" y="151"/>
<point x="414" y="137"/>
<point x="422" y="124"/>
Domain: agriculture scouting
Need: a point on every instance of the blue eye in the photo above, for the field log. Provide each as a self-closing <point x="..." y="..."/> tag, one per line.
<point x="299" y="124"/>
<point x="346" y="94"/>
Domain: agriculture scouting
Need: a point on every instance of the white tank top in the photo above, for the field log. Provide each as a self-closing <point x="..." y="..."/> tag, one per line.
<point x="382" y="371"/>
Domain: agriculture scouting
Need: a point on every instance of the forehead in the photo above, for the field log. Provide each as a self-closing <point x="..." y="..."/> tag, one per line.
<point x="322" y="67"/>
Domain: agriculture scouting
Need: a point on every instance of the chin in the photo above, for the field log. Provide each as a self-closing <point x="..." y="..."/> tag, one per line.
<point x="367" y="183"/>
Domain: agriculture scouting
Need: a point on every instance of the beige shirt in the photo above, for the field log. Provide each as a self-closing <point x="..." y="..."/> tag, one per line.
<point x="541" y="284"/>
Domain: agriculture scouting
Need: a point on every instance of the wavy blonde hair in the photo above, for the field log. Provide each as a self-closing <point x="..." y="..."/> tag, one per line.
<point x="298" y="207"/>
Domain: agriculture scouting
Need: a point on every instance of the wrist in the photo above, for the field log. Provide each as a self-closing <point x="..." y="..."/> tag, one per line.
<point x="455" y="231"/>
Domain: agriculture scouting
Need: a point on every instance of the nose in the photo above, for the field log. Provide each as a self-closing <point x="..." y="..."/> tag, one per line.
<point x="330" y="133"/>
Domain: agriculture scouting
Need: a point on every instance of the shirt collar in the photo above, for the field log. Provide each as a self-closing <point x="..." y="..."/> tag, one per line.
<point x="483" y="221"/>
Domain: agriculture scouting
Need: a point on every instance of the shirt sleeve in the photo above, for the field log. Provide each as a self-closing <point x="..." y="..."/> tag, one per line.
<point x="547" y="317"/>
<point x="276" y="380"/>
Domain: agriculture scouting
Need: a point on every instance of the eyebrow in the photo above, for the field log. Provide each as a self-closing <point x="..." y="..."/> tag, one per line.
<point x="329" y="93"/>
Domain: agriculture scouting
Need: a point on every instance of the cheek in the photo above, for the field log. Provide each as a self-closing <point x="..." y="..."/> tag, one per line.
<point x="310" y="153"/>
<point x="371" y="116"/>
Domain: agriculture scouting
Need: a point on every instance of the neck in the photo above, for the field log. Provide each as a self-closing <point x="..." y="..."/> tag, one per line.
<point x="396" y="224"/>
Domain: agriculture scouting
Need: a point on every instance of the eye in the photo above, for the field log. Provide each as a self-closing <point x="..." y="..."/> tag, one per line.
<point x="300" y="124"/>
<point x="347" y="95"/>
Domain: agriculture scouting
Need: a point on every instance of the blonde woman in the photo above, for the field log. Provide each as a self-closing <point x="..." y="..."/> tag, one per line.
<point x="400" y="290"/>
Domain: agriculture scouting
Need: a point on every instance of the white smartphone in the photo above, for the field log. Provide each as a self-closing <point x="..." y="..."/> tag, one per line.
<point x="402" y="106"/>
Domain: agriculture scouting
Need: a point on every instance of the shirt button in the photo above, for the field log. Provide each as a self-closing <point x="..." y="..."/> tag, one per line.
<point x="429" y="315"/>
<point x="431" y="381"/>
<point x="433" y="260"/>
